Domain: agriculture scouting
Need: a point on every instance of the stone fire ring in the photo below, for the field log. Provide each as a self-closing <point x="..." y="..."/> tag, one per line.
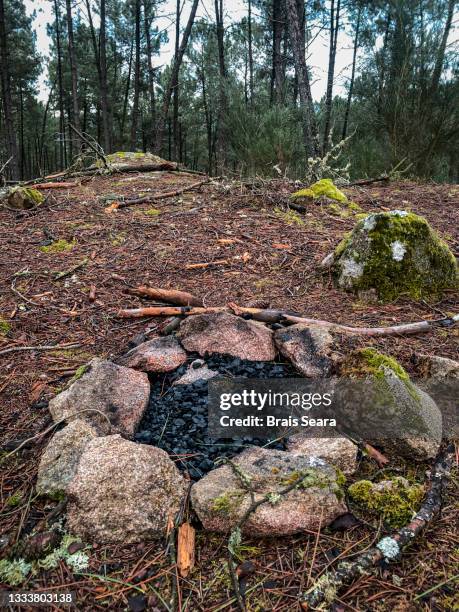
<point x="121" y="491"/>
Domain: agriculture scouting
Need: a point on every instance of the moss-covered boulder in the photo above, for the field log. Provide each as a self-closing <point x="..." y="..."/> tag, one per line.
<point x="394" y="501"/>
<point x="394" y="253"/>
<point x="383" y="406"/>
<point x="24" y="198"/>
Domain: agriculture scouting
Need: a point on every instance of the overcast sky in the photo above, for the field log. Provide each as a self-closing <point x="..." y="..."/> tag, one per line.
<point x="234" y="10"/>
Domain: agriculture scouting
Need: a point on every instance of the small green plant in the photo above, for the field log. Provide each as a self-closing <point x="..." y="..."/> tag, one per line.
<point x="5" y="327"/>
<point x="14" y="572"/>
<point x="289" y="216"/>
<point x="153" y="212"/>
<point x="14" y="500"/>
<point x="58" y="246"/>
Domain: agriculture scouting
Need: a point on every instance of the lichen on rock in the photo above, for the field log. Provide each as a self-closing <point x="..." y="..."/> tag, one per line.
<point x="395" y="500"/>
<point x="394" y="253"/>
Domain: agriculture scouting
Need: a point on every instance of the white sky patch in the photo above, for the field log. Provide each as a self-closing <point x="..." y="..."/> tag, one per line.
<point x="398" y="250"/>
<point x="235" y="10"/>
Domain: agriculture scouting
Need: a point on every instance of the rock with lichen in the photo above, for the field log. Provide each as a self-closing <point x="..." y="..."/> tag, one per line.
<point x="394" y="253"/>
<point x="384" y="406"/>
<point x="339" y="452"/>
<point x="394" y="501"/>
<point x="59" y="462"/>
<point x="24" y="198"/>
<point x="222" y="497"/>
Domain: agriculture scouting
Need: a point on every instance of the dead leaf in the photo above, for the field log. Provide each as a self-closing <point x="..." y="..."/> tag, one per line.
<point x="279" y="245"/>
<point x="113" y="206"/>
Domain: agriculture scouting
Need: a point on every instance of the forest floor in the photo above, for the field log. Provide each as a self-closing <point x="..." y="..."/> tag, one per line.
<point x="272" y="257"/>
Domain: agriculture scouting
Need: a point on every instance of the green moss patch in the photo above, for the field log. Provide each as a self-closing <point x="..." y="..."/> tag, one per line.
<point x="393" y="254"/>
<point x="325" y="188"/>
<point x="395" y="501"/>
<point x="5" y="327"/>
<point x="59" y="246"/>
<point x="289" y="216"/>
<point x="153" y="212"/>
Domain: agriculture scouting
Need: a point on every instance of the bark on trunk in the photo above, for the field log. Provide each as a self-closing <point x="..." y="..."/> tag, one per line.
<point x="351" y="84"/>
<point x="73" y="68"/>
<point x="221" y="136"/>
<point x="135" y="105"/>
<point x="277" y="74"/>
<point x="151" y="74"/>
<point x="7" y="99"/>
<point x="311" y="141"/>
<point x="334" y="27"/>
<point x="104" y="97"/>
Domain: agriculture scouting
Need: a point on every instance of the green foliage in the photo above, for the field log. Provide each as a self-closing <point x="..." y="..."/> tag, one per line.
<point x="395" y="501"/>
<point x="289" y="216"/>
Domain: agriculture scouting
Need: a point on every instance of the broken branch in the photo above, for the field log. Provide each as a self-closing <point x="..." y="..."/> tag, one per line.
<point x="57" y="347"/>
<point x="160" y="196"/>
<point x="181" y="298"/>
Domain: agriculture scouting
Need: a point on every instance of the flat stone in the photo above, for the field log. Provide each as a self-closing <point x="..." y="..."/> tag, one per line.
<point x="339" y="452"/>
<point x="59" y="462"/>
<point x="198" y="370"/>
<point x="158" y="355"/>
<point x="120" y="393"/>
<point x="309" y="348"/>
<point x="226" y="334"/>
<point x="123" y="492"/>
<point x="220" y="499"/>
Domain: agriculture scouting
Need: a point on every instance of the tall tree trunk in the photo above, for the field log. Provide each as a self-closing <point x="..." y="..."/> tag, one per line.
<point x="277" y="73"/>
<point x="126" y="93"/>
<point x="351" y="84"/>
<point x="151" y="74"/>
<point x="135" y="105"/>
<point x="250" y="48"/>
<point x="223" y="103"/>
<point x="175" y="113"/>
<point x="311" y="137"/>
<point x="43" y="130"/>
<point x="73" y="68"/>
<point x="174" y="76"/>
<point x="104" y="97"/>
<point x="62" y="143"/>
<point x="334" y="27"/>
<point x="7" y="100"/>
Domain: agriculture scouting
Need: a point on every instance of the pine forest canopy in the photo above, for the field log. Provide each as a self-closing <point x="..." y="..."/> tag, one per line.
<point x="236" y="95"/>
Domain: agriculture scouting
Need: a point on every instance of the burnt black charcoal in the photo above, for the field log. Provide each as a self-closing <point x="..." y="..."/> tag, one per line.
<point x="176" y="418"/>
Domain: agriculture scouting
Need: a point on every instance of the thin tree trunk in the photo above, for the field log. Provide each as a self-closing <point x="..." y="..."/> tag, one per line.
<point x="126" y="93"/>
<point x="151" y="74"/>
<point x="250" y="49"/>
<point x="43" y="129"/>
<point x="277" y="75"/>
<point x="104" y="97"/>
<point x="135" y="105"/>
<point x="62" y="143"/>
<point x="334" y="27"/>
<point x="311" y="140"/>
<point x="351" y="84"/>
<point x="441" y="50"/>
<point x="175" y="129"/>
<point x="221" y="136"/>
<point x="73" y="69"/>
<point x="7" y="99"/>
<point x="174" y="76"/>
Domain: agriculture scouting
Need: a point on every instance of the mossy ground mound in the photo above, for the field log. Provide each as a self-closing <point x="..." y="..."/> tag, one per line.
<point x="123" y="160"/>
<point x="395" y="501"/>
<point x="394" y="253"/>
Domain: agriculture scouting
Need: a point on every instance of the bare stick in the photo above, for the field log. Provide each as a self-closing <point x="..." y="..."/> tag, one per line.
<point x="58" y="347"/>
<point x="90" y="145"/>
<point x="181" y="298"/>
<point x="161" y="196"/>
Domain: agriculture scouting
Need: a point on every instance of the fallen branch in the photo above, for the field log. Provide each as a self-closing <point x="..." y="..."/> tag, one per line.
<point x="207" y="264"/>
<point x="185" y="549"/>
<point x="282" y="316"/>
<point x="389" y="548"/>
<point x="71" y="270"/>
<point x="170" y="296"/>
<point x="385" y="178"/>
<point x="58" y="347"/>
<point x="161" y="196"/>
<point x="53" y="186"/>
<point x="97" y="150"/>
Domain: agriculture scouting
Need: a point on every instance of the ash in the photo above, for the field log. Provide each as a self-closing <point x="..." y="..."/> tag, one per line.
<point x="176" y="418"/>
